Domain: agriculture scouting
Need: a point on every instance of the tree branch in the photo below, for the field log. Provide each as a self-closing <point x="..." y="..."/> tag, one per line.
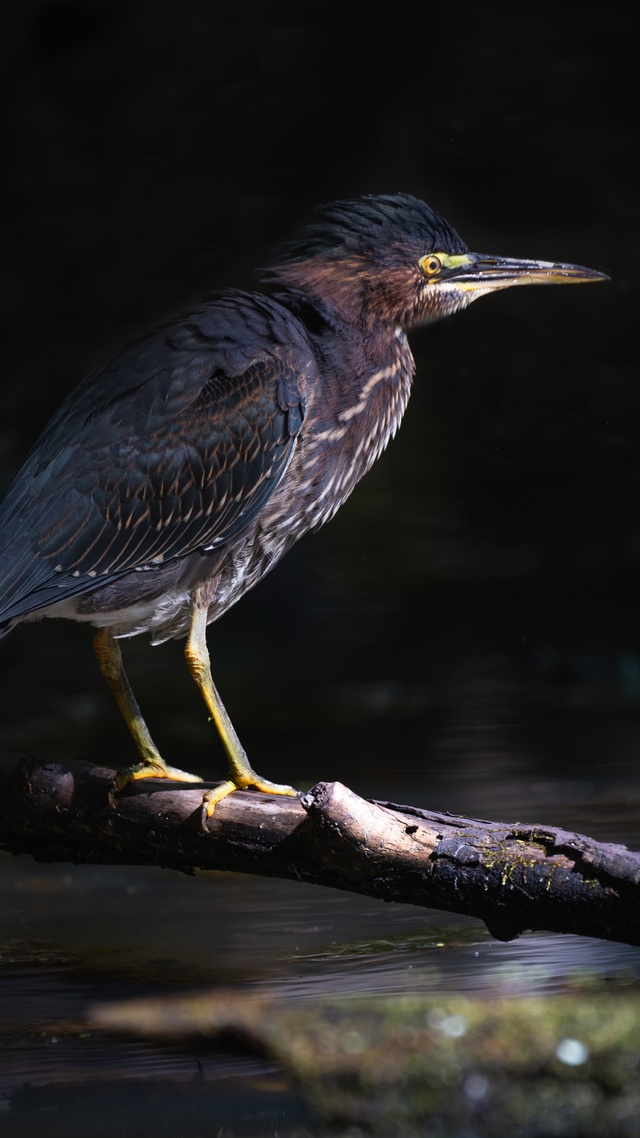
<point x="513" y="877"/>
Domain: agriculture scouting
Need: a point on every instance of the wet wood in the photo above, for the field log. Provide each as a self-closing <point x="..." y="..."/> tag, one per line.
<point x="514" y="877"/>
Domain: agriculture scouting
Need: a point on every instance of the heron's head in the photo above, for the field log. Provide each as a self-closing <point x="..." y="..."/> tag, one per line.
<point x="393" y="258"/>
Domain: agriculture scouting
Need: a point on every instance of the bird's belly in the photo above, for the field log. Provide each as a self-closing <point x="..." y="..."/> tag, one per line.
<point x="169" y="610"/>
<point x="142" y="603"/>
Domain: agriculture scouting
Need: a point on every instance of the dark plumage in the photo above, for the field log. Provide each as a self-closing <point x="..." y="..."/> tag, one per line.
<point x="178" y="473"/>
<point x="359" y="229"/>
<point x="168" y="450"/>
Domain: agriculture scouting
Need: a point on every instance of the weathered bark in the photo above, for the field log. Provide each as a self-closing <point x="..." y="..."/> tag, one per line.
<point x="513" y="877"/>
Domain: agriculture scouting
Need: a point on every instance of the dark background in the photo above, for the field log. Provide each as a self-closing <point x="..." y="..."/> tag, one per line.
<point x="471" y="619"/>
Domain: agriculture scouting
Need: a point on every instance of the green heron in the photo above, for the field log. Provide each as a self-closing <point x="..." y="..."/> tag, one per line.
<point x="177" y="474"/>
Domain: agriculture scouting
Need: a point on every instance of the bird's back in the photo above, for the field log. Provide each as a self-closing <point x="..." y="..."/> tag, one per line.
<point x="171" y="447"/>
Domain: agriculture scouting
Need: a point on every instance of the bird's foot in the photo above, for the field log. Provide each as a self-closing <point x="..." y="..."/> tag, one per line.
<point x="241" y="782"/>
<point x="150" y="768"/>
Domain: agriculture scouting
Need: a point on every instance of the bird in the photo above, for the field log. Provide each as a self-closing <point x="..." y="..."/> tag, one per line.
<point x="178" y="473"/>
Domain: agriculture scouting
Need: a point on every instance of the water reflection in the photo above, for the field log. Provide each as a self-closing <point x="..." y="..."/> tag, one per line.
<point x="81" y="936"/>
<point x="186" y="1097"/>
<point x="118" y="931"/>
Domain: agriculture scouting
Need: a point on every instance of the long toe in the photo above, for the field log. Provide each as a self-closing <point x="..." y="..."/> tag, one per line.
<point x="213" y="797"/>
<point x="252" y="779"/>
<point x="155" y="768"/>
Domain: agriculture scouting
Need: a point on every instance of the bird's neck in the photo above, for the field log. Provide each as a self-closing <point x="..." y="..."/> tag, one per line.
<point x="369" y="377"/>
<point x="356" y="410"/>
<point x="350" y="288"/>
<point x="322" y="284"/>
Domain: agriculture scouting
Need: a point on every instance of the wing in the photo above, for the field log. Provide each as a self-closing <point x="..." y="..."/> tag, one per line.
<point x="172" y="447"/>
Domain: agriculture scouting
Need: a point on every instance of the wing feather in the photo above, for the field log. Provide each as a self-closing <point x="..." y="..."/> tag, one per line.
<point x="174" y="446"/>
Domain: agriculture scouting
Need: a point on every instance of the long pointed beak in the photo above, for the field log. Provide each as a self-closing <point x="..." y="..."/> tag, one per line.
<point x="478" y="273"/>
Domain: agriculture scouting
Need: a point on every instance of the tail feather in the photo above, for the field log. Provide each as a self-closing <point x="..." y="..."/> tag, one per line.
<point x="30" y="585"/>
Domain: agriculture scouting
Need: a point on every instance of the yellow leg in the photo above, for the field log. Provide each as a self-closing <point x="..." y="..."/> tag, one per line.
<point x="151" y="764"/>
<point x="241" y="773"/>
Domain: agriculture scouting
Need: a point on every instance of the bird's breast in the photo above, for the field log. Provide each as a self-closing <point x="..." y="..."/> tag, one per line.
<point x="342" y="438"/>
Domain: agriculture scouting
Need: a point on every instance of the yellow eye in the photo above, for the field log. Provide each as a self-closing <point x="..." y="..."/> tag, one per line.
<point x="431" y="264"/>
